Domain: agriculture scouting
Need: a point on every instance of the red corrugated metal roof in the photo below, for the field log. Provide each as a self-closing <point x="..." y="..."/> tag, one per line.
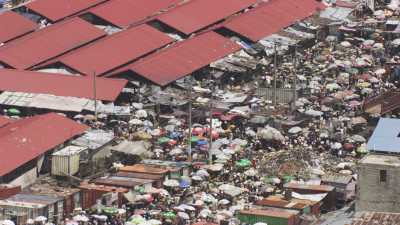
<point x="271" y="17"/>
<point x="115" y="50"/>
<point x="59" y="9"/>
<point x="198" y="14"/>
<point x="60" y="85"/>
<point x="4" y="120"/>
<point x="13" y="25"/>
<point x="48" y="43"/>
<point x="26" y="139"/>
<point x="122" y="13"/>
<point x="178" y="61"/>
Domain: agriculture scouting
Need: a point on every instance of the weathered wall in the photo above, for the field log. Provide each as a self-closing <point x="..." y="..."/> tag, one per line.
<point x="373" y="195"/>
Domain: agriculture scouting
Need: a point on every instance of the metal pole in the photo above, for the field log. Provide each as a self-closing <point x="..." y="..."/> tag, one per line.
<point x="190" y="121"/>
<point x="275" y="71"/>
<point x="95" y="95"/>
<point x="295" y="77"/>
<point x="211" y="126"/>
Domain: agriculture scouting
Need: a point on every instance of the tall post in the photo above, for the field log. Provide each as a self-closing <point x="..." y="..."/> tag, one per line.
<point x="295" y="76"/>
<point x="211" y="126"/>
<point x="275" y="71"/>
<point x="190" y="121"/>
<point x="95" y="95"/>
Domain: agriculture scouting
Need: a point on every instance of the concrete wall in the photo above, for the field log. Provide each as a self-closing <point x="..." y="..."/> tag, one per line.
<point x="373" y="195"/>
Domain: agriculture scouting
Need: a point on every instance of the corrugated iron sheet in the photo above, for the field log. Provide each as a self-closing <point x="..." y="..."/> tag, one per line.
<point x="123" y="13"/>
<point x="115" y="50"/>
<point x="48" y="43"/>
<point x="381" y="218"/>
<point x="59" y="9"/>
<point x="60" y="85"/>
<point x="198" y="14"/>
<point x="271" y="17"/>
<point x="184" y="58"/>
<point x="26" y="139"/>
<point x="13" y="25"/>
<point x="4" y="120"/>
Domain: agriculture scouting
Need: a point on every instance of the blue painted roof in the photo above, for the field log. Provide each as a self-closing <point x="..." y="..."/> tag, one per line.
<point x="385" y="137"/>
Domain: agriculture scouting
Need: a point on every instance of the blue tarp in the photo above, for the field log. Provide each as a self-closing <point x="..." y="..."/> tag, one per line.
<point x="386" y="136"/>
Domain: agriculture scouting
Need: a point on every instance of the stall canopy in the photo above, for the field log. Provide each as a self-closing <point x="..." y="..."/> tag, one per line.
<point x="48" y="43"/>
<point x="262" y="20"/>
<point x="60" y="85"/>
<point x="115" y="50"/>
<point x="123" y="13"/>
<point x="196" y="15"/>
<point x="183" y="58"/>
<point x="57" y="10"/>
<point x="13" y="25"/>
<point x="26" y="139"/>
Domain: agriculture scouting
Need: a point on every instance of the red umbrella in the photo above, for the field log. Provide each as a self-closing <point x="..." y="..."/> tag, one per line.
<point x="198" y="131"/>
<point x="348" y="147"/>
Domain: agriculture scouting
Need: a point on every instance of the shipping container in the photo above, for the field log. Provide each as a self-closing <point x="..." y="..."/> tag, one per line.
<point x="66" y="161"/>
<point x="274" y="217"/>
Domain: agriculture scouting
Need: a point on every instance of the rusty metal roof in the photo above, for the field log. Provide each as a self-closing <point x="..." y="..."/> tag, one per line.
<point x="59" y="9"/>
<point x="183" y="58"/>
<point x="281" y="213"/>
<point x="125" y="182"/>
<point x="198" y="14"/>
<point x="4" y="120"/>
<point x="321" y="188"/>
<point x="48" y="43"/>
<point x="115" y="50"/>
<point x="103" y="188"/>
<point x="60" y="85"/>
<point x="26" y="139"/>
<point x="271" y="17"/>
<point x="13" y="25"/>
<point x="142" y="168"/>
<point x="123" y="13"/>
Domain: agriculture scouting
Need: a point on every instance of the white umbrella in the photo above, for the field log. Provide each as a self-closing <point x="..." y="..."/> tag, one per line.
<point x="314" y="113"/>
<point x="80" y="218"/>
<point x="141" y="113"/>
<point x="40" y="219"/>
<point x="205" y="213"/>
<point x="260" y="224"/>
<point x="358" y="138"/>
<point x="202" y="173"/>
<point x="30" y="221"/>
<point x="197" y="178"/>
<point x="79" y="116"/>
<point x="230" y="190"/>
<point x="154" y="222"/>
<point x="155" y="132"/>
<point x="295" y="130"/>
<point x="270" y="133"/>
<point x="332" y="86"/>
<point x="183" y="215"/>
<point x="176" y="151"/>
<point x="147" y="123"/>
<point x="216" y="167"/>
<point x="336" y="145"/>
<point x="72" y="222"/>
<point x="250" y="172"/>
<point x="187" y="207"/>
<point x="135" y="122"/>
<point x="223" y="202"/>
<point x="171" y="183"/>
<point x="7" y="222"/>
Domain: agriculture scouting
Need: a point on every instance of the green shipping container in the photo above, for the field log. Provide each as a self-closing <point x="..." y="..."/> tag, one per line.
<point x="271" y="217"/>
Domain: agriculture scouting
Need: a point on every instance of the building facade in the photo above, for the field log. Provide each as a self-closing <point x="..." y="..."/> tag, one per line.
<point x="378" y="182"/>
